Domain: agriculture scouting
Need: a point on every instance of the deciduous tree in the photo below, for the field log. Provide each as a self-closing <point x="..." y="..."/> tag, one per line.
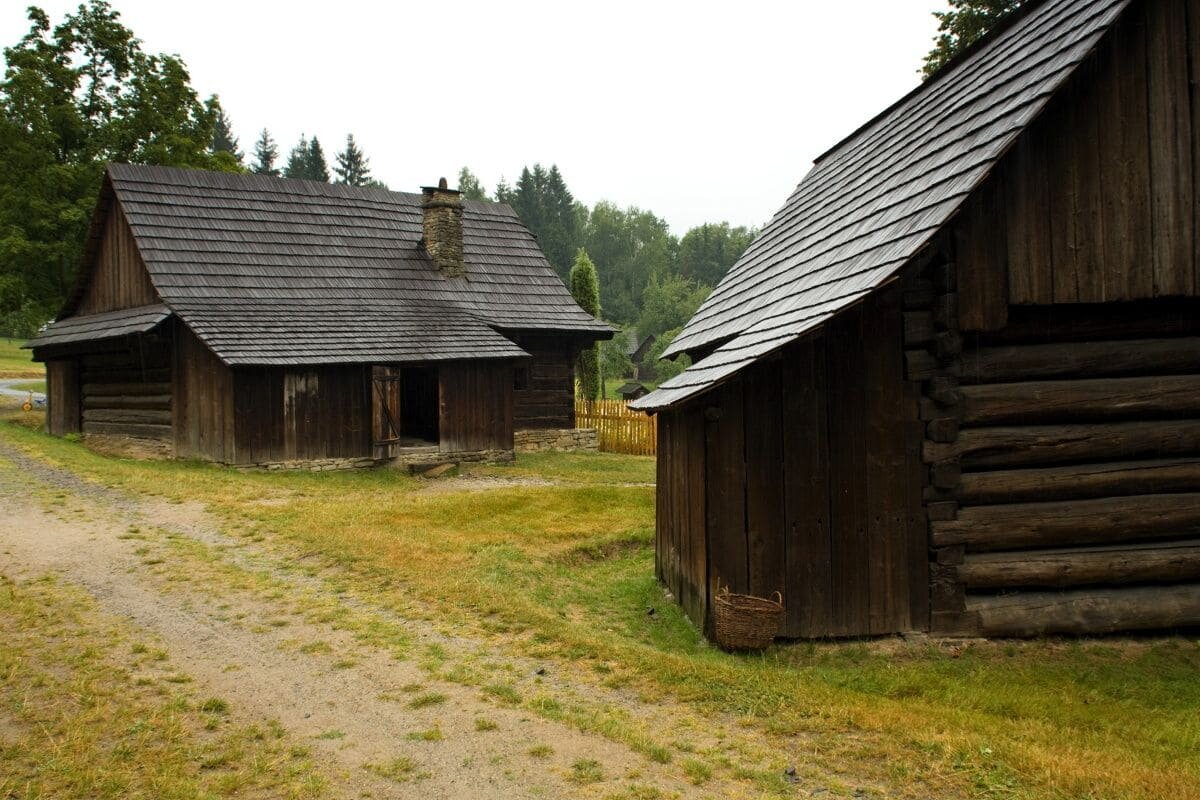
<point x="964" y="23"/>
<point x="470" y="186"/>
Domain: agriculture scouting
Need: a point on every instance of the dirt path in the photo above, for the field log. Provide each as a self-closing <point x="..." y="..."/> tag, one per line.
<point x="364" y="711"/>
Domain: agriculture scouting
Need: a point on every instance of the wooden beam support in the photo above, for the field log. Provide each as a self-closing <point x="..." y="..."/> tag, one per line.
<point x="1087" y="612"/>
<point x="1159" y="562"/>
<point x="986" y="448"/>
<point x="1108" y="519"/>
<point x="1080" y="481"/>
<point x="1082" y="400"/>
<point x="1079" y="359"/>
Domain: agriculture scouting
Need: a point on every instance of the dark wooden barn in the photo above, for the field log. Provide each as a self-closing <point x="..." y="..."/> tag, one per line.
<point x="246" y="319"/>
<point x="955" y="384"/>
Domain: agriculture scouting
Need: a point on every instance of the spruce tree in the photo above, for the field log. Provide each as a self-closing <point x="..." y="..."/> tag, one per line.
<point x="352" y="166"/>
<point x="265" y="153"/>
<point x="585" y="288"/>
<point x="223" y="140"/>
<point x="297" y="163"/>
<point x="318" y="170"/>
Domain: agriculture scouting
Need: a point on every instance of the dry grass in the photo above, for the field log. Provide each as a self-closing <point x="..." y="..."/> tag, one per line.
<point x="85" y="711"/>
<point x="564" y="573"/>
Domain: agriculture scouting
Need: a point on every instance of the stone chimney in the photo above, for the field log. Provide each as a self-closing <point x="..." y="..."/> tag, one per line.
<point x="442" y="209"/>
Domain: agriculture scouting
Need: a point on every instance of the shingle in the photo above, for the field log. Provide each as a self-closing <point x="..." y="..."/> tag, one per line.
<point x="870" y="204"/>
<point x="94" y="327"/>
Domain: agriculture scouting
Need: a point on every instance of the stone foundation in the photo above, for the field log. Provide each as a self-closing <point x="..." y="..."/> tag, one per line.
<point x="558" y="440"/>
<point x="314" y="465"/>
<point x="428" y="456"/>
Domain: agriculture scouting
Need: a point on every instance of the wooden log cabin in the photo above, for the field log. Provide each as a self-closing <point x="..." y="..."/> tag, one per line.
<point x="955" y="384"/>
<point x="253" y="320"/>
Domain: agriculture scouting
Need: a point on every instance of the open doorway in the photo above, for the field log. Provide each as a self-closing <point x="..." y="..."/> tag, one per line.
<point x="418" y="406"/>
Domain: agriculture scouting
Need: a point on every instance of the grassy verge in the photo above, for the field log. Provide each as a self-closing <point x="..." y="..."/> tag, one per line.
<point x="87" y="709"/>
<point x="564" y="572"/>
<point x="17" y="363"/>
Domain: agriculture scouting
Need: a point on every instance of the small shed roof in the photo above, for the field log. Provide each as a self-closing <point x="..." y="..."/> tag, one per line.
<point x="109" y="325"/>
<point x="632" y="388"/>
<point x="872" y="202"/>
<point x="273" y="271"/>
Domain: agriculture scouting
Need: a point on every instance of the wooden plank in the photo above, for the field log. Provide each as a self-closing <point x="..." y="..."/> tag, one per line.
<point x="1093" y="399"/>
<point x="63" y="397"/>
<point x="693" y="481"/>
<point x="725" y="502"/>
<point x="766" y="555"/>
<point x="1192" y="8"/>
<point x="130" y="429"/>
<point x="1080" y="359"/>
<point x="1053" y="524"/>
<point x="1125" y="171"/>
<point x="151" y="416"/>
<point x="987" y="448"/>
<point x="1060" y="163"/>
<point x="1086" y="192"/>
<point x="1080" y="481"/>
<point x="1170" y="148"/>
<point x="1159" y="562"/>
<point x="850" y="553"/>
<point x="809" y="593"/>
<point x="981" y="247"/>
<point x="1029" y="232"/>
<point x="1087" y="612"/>
<point x="916" y="525"/>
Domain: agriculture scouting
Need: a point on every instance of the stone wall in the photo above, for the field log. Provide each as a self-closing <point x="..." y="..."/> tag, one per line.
<point x="560" y="440"/>
<point x="432" y="455"/>
<point x="317" y="465"/>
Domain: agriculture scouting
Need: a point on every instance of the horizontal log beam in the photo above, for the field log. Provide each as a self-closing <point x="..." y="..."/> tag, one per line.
<point x="1081" y="400"/>
<point x="1079" y="359"/>
<point x="142" y="388"/>
<point x="1109" y="519"/>
<point x="987" y="448"/>
<point x="135" y="431"/>
<point x="1087" y="612"/>
<point x="1080" y="481"/>
<point x="137" y="415"/>
<point x="128" y="401"/>
<point x="1171" y="562"/>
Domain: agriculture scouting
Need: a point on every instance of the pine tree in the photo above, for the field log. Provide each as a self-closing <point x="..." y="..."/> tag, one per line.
<point x="585" y="288"/>
<point x="223" y="140"/>
<point x="265" y="153"/>
<point x="297" y="163"/>
<point x="470" y="186"/>
<point x="505" y="192"/>
<point x="352" y="166"/>
<point x="318" y="170"/>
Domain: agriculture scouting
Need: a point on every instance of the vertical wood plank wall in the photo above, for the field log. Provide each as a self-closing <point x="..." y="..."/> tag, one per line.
<point x="119" y="278"/>
<point x="476" y="405"/>
<point x="301" y="414"/>
<point x="203" y="401"/>
<point x="799" y="477"/>
<point x="1098" y="200"/>
<point x="548" y="397"/>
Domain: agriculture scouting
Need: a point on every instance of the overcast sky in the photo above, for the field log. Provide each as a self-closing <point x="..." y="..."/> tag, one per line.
<point x="696" y="111"/>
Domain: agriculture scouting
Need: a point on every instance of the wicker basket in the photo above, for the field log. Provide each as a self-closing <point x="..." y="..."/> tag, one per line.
<point x="744" y="622"/>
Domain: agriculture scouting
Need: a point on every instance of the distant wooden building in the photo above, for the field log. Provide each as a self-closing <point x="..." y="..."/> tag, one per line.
<point x="637" y="347"/>
<point x="632" y="390"/>
<point x="955" y="384"/>
<point x="246" y="319"/>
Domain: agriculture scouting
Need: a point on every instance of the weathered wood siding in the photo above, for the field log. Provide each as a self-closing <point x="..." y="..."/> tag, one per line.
<point x="803" y="476"/>
<point x="126" y="390"/>
<point x="63" y="414"/>
<point x="301" y="414"/>
<point x="1098" y="200"/>
<point x="547" y="398"/>
<point x="475" y="401"/>
<point x="118" y="278"/>
<point x="203" y="393"/>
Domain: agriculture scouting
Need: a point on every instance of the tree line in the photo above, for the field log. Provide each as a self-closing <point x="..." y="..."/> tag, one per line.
<point x="83" y="93"/>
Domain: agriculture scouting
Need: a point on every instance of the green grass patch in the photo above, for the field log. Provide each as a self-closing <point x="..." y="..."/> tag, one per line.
<point x="427" y="699"/>
<point x="18" y="363"/>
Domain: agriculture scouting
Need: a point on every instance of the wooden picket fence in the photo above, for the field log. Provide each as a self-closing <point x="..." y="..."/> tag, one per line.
<point x="620" y="428"/>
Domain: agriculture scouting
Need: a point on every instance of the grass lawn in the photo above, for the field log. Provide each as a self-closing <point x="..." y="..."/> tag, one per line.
<point x="17" y="363"/>
<point x="558" y="564"/>
<point x="30" y="386"/>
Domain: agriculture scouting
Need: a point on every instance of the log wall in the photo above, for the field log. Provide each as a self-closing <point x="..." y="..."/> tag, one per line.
<point x="1064" y="455"/>
<point x="126" y="391"/>
<point x="1097" y="202"/>
<point x="543" y="388"/>
<point x="802" y="475"/>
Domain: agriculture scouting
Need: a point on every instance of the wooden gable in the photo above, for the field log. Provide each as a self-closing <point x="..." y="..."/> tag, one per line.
<point x="117" y="276"/>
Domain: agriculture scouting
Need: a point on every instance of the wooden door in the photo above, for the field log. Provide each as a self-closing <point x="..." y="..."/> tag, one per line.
<point x="385" y="411"/>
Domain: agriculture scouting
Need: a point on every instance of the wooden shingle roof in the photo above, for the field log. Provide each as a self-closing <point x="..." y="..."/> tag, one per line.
<point x="96" y="327"/>
<point x="272" y="271"/>
<point x="869" y="205"/>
